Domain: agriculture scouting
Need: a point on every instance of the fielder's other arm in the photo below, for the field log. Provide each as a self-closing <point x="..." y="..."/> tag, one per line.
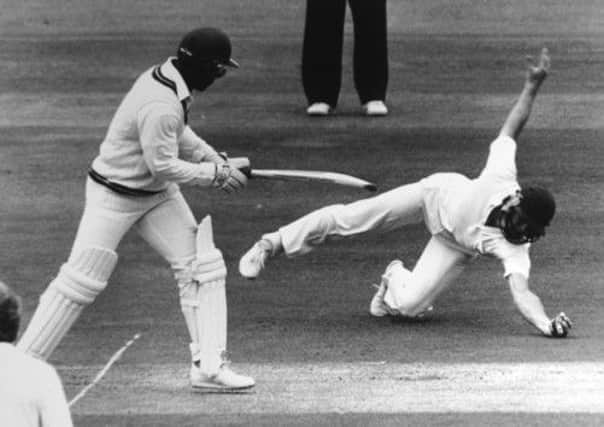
<point x="519" y="114"/>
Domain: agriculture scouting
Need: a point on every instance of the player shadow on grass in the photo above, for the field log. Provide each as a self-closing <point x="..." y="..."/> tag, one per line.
<point x="429" y="319"/>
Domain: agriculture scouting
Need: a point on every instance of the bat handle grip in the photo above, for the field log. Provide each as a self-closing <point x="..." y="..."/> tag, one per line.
<point x="241" y="163"/>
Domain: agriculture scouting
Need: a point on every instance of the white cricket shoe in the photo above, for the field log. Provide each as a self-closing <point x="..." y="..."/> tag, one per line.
<point x="253" y="261"/>
<point x="375" y="108"/>
<point x="224" y="380"/>
<point x="378" y="306"/>
<point x="319" y="109"/>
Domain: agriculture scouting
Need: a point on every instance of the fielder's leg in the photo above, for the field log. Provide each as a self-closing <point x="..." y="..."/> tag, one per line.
<point x="78" y="283"/>
<point x="322" y="50"/>
<point x="385" y="212"/>
<point x="411" y="293"/>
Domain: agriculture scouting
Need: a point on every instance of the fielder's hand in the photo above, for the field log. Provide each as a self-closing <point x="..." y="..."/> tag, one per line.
<point x="229" y="178"/>
<point x="537" y="73"/>
<point x="559" y="326"/>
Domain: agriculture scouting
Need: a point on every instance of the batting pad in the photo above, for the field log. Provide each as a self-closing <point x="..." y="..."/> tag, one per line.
<point x="204" y="302"/>
<point x="78" y="283"/>
<point x="212" y="325"/>
<point x="189" y="305"/>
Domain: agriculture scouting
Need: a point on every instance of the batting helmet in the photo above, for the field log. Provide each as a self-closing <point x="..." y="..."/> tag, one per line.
<point x="205" y="47"/>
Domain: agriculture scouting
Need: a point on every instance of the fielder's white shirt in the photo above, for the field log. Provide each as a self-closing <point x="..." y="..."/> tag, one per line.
<point x="148" y="144"/>
<point x="456" y="208"/>
<point x="31" y="393"/>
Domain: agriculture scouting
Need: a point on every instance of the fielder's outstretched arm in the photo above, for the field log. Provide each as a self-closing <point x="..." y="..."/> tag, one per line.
<point x="521" y="110"/>
<point x="531" y="308"/>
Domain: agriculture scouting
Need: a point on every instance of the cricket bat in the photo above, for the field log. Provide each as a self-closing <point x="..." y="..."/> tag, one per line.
<point x="243" y="164"/>
<point x="309" y="176"/>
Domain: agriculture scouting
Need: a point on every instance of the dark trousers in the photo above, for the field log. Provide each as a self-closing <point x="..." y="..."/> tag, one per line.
<point x="322" y="49"/>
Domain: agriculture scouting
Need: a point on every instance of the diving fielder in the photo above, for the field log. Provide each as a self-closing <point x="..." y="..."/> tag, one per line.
<point x="149" y="149"/>
<point x="488" y="215"/>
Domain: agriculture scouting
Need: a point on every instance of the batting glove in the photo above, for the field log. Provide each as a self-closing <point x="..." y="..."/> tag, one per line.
<point x="559" y="326"/>
<point x="229" y="178"/>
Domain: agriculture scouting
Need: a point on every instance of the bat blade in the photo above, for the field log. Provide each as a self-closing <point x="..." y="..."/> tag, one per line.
<point x="311" y="175"/>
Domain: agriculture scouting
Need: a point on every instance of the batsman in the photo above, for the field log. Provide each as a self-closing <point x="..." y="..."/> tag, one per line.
<point x="148" y="151"/>
<point x="488" y="215"/>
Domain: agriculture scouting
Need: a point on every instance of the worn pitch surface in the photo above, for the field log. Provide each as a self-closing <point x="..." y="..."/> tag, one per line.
<point x="303" y="329"/>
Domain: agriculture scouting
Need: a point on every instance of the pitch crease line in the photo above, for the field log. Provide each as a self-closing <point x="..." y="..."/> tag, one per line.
<point x="105" y="369"/>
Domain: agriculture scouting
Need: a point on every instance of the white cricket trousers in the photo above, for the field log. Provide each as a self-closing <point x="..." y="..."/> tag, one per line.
<point x="164" y="220"/>
<point x="439" y="264"/>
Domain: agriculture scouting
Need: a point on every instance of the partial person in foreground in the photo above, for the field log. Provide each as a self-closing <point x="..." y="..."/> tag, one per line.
<point x="322" y="54"/>
<point x="148" y="151"/>
<point x="31" y="393"/>
<point x="489" y="215"/>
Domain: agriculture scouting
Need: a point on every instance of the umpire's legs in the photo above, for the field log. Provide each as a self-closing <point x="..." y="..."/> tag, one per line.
<point x="322" y="50"/>
<point x="370" y="49"/>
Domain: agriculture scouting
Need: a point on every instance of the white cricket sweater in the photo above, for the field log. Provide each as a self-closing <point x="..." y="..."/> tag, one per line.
<point x="148" y="144"/>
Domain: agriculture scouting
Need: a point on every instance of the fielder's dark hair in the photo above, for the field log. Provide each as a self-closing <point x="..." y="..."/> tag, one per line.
<point x="538" y="204"/>
<point x="10" y="314"/>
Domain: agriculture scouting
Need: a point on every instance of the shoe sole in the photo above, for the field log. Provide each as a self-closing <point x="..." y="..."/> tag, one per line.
<point x="212" y="388"/>
<point x="248" y="277"/>
<point x="380" y="314"/>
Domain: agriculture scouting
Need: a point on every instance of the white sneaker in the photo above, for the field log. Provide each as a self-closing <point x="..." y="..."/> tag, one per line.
<point x="319" y="109"/>
<point x="224" y="380"/>
<point x="378" y="306"/>
<point x="375" y="108"/>
<point x="252" y="262"/>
